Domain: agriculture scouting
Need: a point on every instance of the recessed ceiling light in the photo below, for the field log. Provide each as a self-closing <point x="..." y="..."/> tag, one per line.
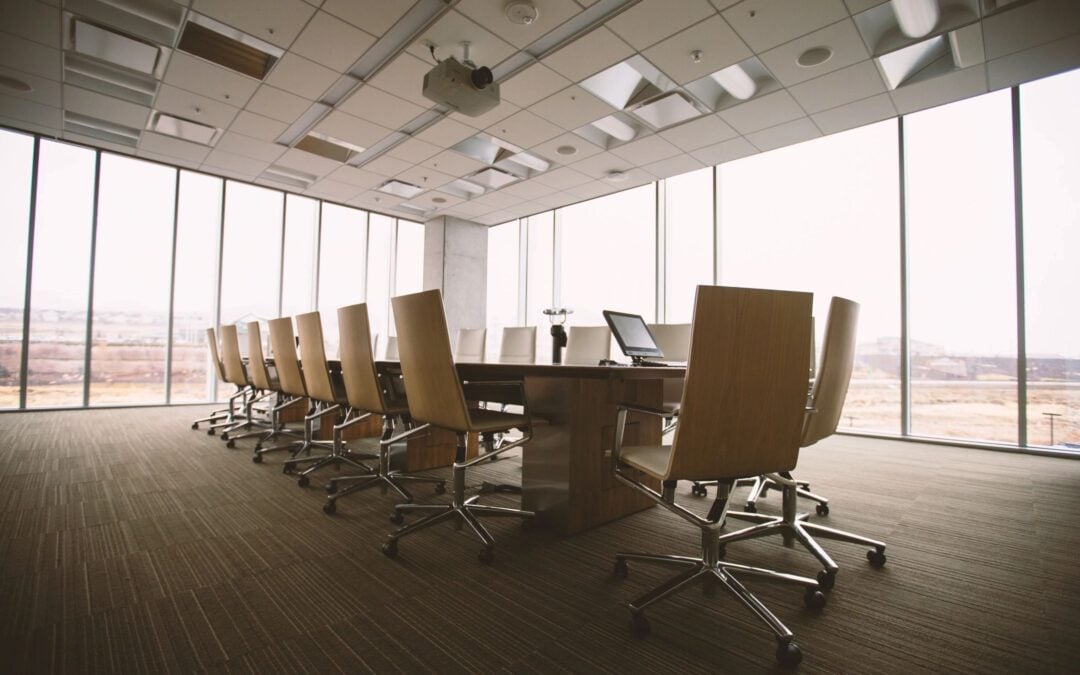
<point x="187" y="130"/>
<point x="616" y="176"/>
<point x="400" y="188"/>
<point x="815" y="56"/>
<point x="521" y="12"/>
<point x="566" y="150"/>
<point x="14" y="84"/>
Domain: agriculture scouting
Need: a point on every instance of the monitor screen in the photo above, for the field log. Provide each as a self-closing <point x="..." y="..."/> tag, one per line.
<point x="632" y="334"/>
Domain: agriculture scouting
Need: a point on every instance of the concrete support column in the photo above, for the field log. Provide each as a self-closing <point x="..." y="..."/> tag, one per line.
<point x="455" y="261"/>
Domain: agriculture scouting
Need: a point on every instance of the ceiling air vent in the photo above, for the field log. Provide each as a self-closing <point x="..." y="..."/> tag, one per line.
<point x="115" y="48"/>
<point x="328" y="147"/>
<point x="100" y="129"/>
<point x="288" y="176"/>
<point x="185" y="130"/>
<point x="214" y="41"/>
<point x="401" y="189"/>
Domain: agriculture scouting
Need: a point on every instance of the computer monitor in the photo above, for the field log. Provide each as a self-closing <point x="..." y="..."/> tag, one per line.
<point x="633" y="335"/>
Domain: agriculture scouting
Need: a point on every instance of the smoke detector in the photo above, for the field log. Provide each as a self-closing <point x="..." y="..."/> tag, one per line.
<point x="521" y="12"/>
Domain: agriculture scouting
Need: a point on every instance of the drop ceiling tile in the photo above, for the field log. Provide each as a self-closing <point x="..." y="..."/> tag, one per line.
<point x="719" y="46"/>
<point x="650" y="21"/>
<point x="674" y="166"/>
<point x="485" y="48"/>
<point x="495" y="218"/>
<point x="788" y="133"/>
<point x="277" y="22"/>
<point x="253" y="148"/>
<point x="307" y="162"/>
<point x="554" y="201"/>
<point x="387" y="166"/>
<point x="856" y="6"/>
<point x="698" y="133"/>
<point x="168" y="159"/>
<point x="104" y="107"/>
<point x="222" y="159"/>
<point x="760" y="113"/>
<point x="763" y="24"/>
<point x="550" y="149"/>
<point x="721" y="5"/>
<point x="532" y="84"/>
<point x="529" y="189"/>
<point x="428" y="200"/>
<point x="589" y="55"/>
<point x="646" y="150"/>
<point x="524" y="129"/>
<point x="332" y="42"/>
<point x="562" y="178"/>
<point x="257" y="126"/>
<point x="43" y="90"/>
<point x="333" y="190"/>
<point x="1031" y="64"/>
<point x="452" y="163"/>
<point x="30" y="57"/>
<point x="866" y="111"/>
<point x="29" y="115"/>
<point x="936" y="91"/>
<point x="188" y="105"/>
<point x="471" y="209"/>
<point x="414" y="150"/>
<point x="1042" y="22"/>
<point x="375" y="105"/>
<point x="358" y="177"/>
<point x="499" y="112"/>
<point x="279" y="104"/>
<point x="853" y="83"/>
<point x="351" y="129"/>
<point x="724" y="152"/>
<point x="208" y="79"/>
<point x="498" y="200"/>
<point x="841" y="37"/>
<point x="97" y="143"/>
<point x="491" y="15"/>
<point x="375" y="201"/>
<point x="374" y="16"/>
<point x="404" y="77"/>
<point x="600" y="165"/>
<point x="172" y="147"/>
<point x="596" y="188"/>
<point x="571" y="108"/>
<point x="34" y="21"/>
<point x="297" y="75"/>
<point x="446" y="132"/>
<point x="426" y="178"/>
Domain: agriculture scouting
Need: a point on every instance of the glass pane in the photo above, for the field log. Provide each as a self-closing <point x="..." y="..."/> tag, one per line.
<point x="378" y="274"/>
<point x="961" y="262"/>
<point x="1051" y="171"/>
<point x="301" y="246"/>
<point x="502" y="283"/>
<point x="132" y="272"/>
<point x="539" y="279"/>
<point x="342" y="268"/>
<point x="835" y="231"/>
<point x="16" y="165"/>
<point x="689" y="246"/>
<point x="410" y="258"/>
<point x="198" y="239"/>
<point x="61" y="276"/>
<point x="251" y="262"/>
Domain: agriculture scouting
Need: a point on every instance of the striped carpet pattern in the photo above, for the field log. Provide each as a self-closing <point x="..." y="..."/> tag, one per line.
<point x="129" y="543"/>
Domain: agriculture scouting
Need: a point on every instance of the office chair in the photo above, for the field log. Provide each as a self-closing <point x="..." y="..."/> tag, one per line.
<point x="587" y="345"/>
<point x="265" y="386"/>
<point x="518" y="344"/>
<point x="471" y="343"/>
<point x="235" y="373"/>
<point x="749" y="340"/>
<point x="227" y="414"/>
<point x="820" y="421"/>
<point x="391" y="348"/>
<point x="369" y="394"/>
<point x="436" y="399"/>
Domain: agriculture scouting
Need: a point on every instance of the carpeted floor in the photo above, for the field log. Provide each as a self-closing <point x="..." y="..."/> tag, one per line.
<point x="130" y="543"/>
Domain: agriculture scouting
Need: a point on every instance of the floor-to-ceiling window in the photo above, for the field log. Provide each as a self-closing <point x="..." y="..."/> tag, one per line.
<point x="540" y="278"/>
<point x="380" y="243"/>
<point x="301" y="255"/>
<point x="342" y="267"/>
<point x="962" y="269"/>
<point x="502" y="281"/>
<point x="16" y="175"/>
<point x="1051" y="199"/>
<point x="251" y="254"/>
<point x="688" y="243"/>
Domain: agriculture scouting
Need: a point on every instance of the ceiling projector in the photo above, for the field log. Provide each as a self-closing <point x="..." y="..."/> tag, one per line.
<point x="462" y="87"/>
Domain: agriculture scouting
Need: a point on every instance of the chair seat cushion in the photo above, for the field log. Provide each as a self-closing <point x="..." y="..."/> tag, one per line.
<point x="652" y="459"/>
<point x="483" y="420"/>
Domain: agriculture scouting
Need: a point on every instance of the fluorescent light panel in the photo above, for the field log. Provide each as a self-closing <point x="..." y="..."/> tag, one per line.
<point x="228" y="47"/>
<point x="669" y="109"/>
<point x="185" y="130"/>
<point x="111" y="47"/>
<point x="916" y="18"/>
<point x="736" y="82"/>
<point x="400" y="188"/>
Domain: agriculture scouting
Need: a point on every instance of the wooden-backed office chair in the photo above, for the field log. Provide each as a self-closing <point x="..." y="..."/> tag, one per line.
<point x="587" y="345"/>
<point x="216" y="417"/>
<point x="369" y="394"/>
<point x="742" y="411"/>
<point x="518" y="344"/>
<point x="391" y="348"/>
<point x="265" y="386"/>
<point x="436" y="399"/>
<point x="237" y="374"/>
<point x="820" y="420"/>
<point x="674" y="340"/>
<point x="471" y="343"/>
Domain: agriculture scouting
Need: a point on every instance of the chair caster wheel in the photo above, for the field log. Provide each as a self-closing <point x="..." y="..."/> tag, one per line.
<point x="224" y="435"/>
<point x="331" y="488"/>
<point x="440" y="488"/>
<point x="826" y="580"/>
<point x="788" y="654"/>
<point x="814" y="599"/>
<point x="303" y="481"/>
<point x="257" y="458"/>
<point x="822" y="509"/>
<point x="876" y="557"/>
<point x="396" y="518"/>
<point x="699" y="490"/>
<point x="751" y="507"/>
<point x="389" y="549"/>
<point x="194" y="425"/>
<point x="287" y="469"/>
<point x="210" y="432"/>
<point x="639" y="625"/>
<point x="622" y="569"/>
<point x="330" y="507"/>
<point x="486" y="556"/>
<point x="230" y="444"/>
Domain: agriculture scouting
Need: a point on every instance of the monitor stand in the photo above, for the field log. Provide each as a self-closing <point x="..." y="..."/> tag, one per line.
<point x="640" y="361"/>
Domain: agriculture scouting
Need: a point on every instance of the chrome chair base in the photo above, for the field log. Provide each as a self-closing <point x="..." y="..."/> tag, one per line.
<point x="759" y="489"/>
